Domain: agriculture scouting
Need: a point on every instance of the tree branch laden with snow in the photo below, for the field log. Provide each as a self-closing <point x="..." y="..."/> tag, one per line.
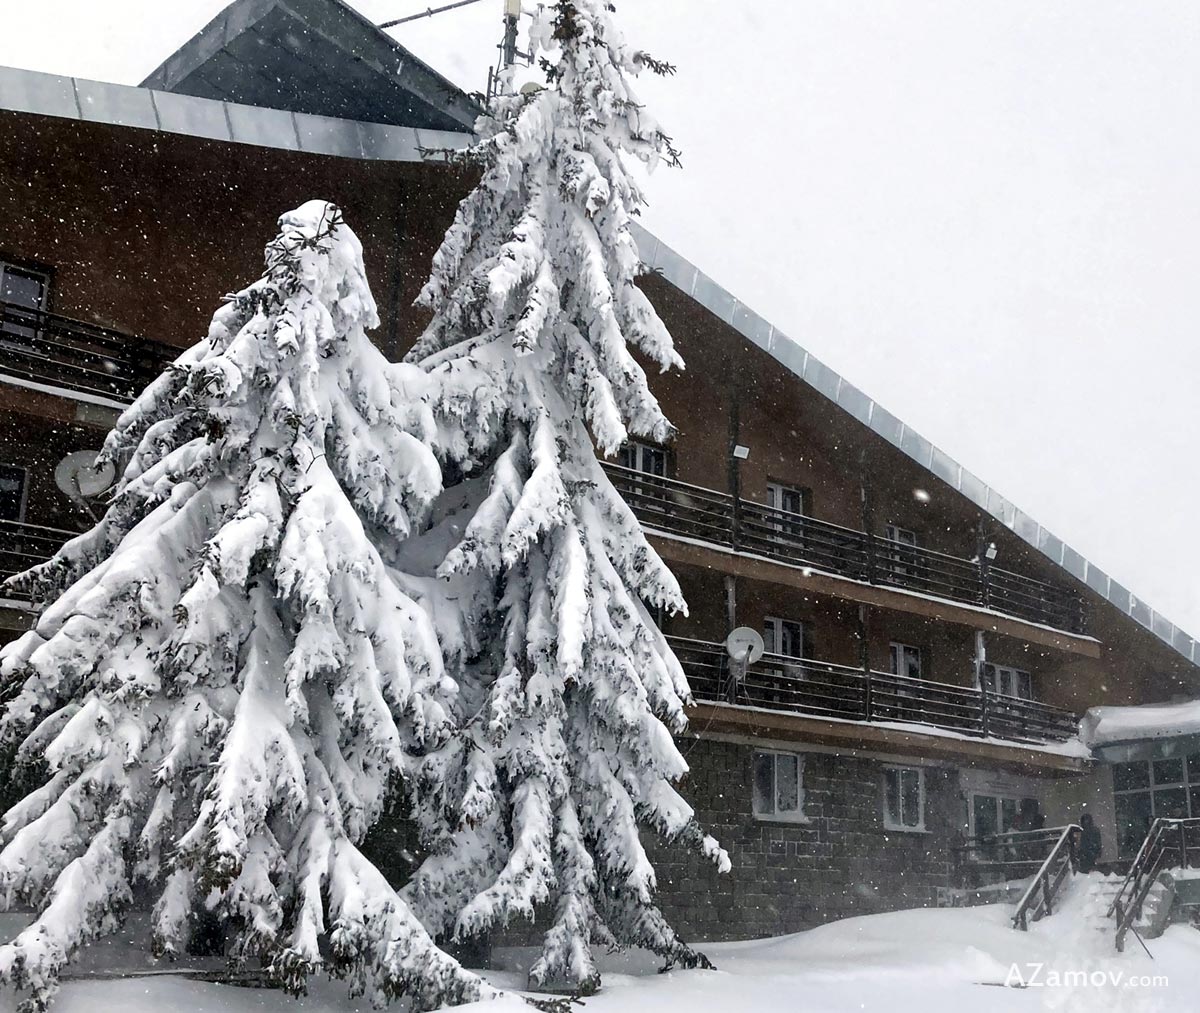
<point x="569" y="692"/>
<point x="230" y="672"/>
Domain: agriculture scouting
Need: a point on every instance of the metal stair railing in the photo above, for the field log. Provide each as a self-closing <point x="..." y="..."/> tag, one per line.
<point x="1038" y="899"/>
<point x="1166" y="847"/>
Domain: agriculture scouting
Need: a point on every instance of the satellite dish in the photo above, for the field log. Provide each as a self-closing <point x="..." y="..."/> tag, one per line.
<point x="79" y="476"/>
<point x="745" y="645"/>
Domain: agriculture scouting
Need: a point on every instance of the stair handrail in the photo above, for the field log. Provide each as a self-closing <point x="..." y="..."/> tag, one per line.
<point x="1137" y="867"/>
<point x="1063" y="852"/>
<point x="1143" y="874"/>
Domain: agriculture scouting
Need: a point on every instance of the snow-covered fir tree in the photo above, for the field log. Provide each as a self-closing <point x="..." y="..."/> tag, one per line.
<point x="569" y="692"/>
<point x="229" y="673"/>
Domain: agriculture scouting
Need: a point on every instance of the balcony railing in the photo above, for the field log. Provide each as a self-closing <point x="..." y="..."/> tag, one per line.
<point x="823" y="689"/>
<point x="25" y="545"/>
<point x="72" y="355"/>
<point x="707" y="515"/>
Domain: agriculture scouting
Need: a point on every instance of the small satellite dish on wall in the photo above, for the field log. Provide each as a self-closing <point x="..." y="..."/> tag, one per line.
<point x="79" y="477"/>
<point x="745" y="645"/>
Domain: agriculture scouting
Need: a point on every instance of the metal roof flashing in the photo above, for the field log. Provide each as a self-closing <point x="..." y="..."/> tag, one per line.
<point x="319" y="57"/>
<point x="146" y="108"/>
<point x="28" y="91"/>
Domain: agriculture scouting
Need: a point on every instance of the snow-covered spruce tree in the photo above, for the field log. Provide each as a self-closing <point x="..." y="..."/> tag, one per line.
<point x="230" y="674"/>
<point x="569" y="692"/>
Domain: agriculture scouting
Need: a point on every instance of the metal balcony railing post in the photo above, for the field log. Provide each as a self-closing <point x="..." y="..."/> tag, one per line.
<point x="984" y="715"/>
<point x="872" y="561"/>
<point x="985" y="582"/>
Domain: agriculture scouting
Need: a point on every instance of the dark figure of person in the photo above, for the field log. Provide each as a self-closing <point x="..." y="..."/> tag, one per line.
<point x="1090" y="844"/>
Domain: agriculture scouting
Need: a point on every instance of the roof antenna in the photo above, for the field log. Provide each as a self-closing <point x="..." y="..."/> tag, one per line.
<point x="427" y="13"/>
<point x="512" y="14"/>
<point x="500" y="78"/>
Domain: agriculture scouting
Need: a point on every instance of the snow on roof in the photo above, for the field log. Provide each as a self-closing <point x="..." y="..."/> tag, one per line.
<point x="1106" y="726"/>
<point x="74" y="98"/>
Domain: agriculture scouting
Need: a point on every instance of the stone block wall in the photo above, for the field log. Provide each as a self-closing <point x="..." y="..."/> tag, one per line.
<point x="790" y="876"/>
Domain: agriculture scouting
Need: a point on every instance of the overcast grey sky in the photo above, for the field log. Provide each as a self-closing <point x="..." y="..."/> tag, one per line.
<point x="986" y="214"/>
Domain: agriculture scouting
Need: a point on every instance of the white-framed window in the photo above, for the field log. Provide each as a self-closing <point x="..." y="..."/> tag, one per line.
<point x="778" y="789"/>
<point x="643" y="457"/>
<point x="1008" y="681"/>
<point x="905" y="659"/>
<point x="786" y="498"/>
<point x="902" y="552"/>
<point x="787" y="505"/>
<point x="784" y="637"/>
<point x="904" y="798"/>
<point x="14" y="488"/>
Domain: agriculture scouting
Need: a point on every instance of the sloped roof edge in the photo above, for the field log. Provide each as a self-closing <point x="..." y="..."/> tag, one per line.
<point x="122" y="105"/>
<point x="29" y="91"/>
<point x="689" y="279"/>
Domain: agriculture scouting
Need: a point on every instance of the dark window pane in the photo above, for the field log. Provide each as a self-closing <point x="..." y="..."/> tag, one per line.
<point x="910" y="798"/>
<point x="1131" y="775"/>
<point x="891" y="788"/>
<point x="1134" y="816"/>
<point x="764" y="784"/>
<point x="792" y="639"/>
<point x="1168" y="771"/>
<point x="989" y="678"/>
<point x="1193" y="768"/>
<point x="787" y="784"/>
<point x="1171" y="803"/>
<point x="1195" y="802"/>
<point x="21" y="288"/>
<point x="1024" y="688"/>
<point x="1008" y="813"/>
<point x="12" y="492"/>
<point x="984" y="809"/>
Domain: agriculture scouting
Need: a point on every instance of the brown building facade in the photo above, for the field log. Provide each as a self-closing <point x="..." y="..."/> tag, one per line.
<point x="929" y="649"/>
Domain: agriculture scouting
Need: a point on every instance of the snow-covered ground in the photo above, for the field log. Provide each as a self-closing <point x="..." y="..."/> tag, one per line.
<point x="923" y="961"/>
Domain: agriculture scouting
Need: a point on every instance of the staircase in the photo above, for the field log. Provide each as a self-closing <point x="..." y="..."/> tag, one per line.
<point x="1100" y="890"/>
<point x="1162" y="883"/>
<point x="1040" y="895"/>
<point x="1162" y="880"/>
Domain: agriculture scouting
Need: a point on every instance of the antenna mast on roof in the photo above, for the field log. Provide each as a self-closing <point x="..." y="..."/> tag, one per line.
<point x="428" y="13"/>
<point x="500" y="77"/>
<point x="512" y="14"/>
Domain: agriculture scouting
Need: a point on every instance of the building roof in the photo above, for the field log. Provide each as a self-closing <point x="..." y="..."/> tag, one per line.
<point x="313" y="56"/>
<point x="50" y="95"/>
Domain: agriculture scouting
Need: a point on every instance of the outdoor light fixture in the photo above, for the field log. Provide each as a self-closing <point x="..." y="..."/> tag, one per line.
<point x="741" y="453"/>
<point x="991" y="551"/>
<point x="920" y="495"/>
